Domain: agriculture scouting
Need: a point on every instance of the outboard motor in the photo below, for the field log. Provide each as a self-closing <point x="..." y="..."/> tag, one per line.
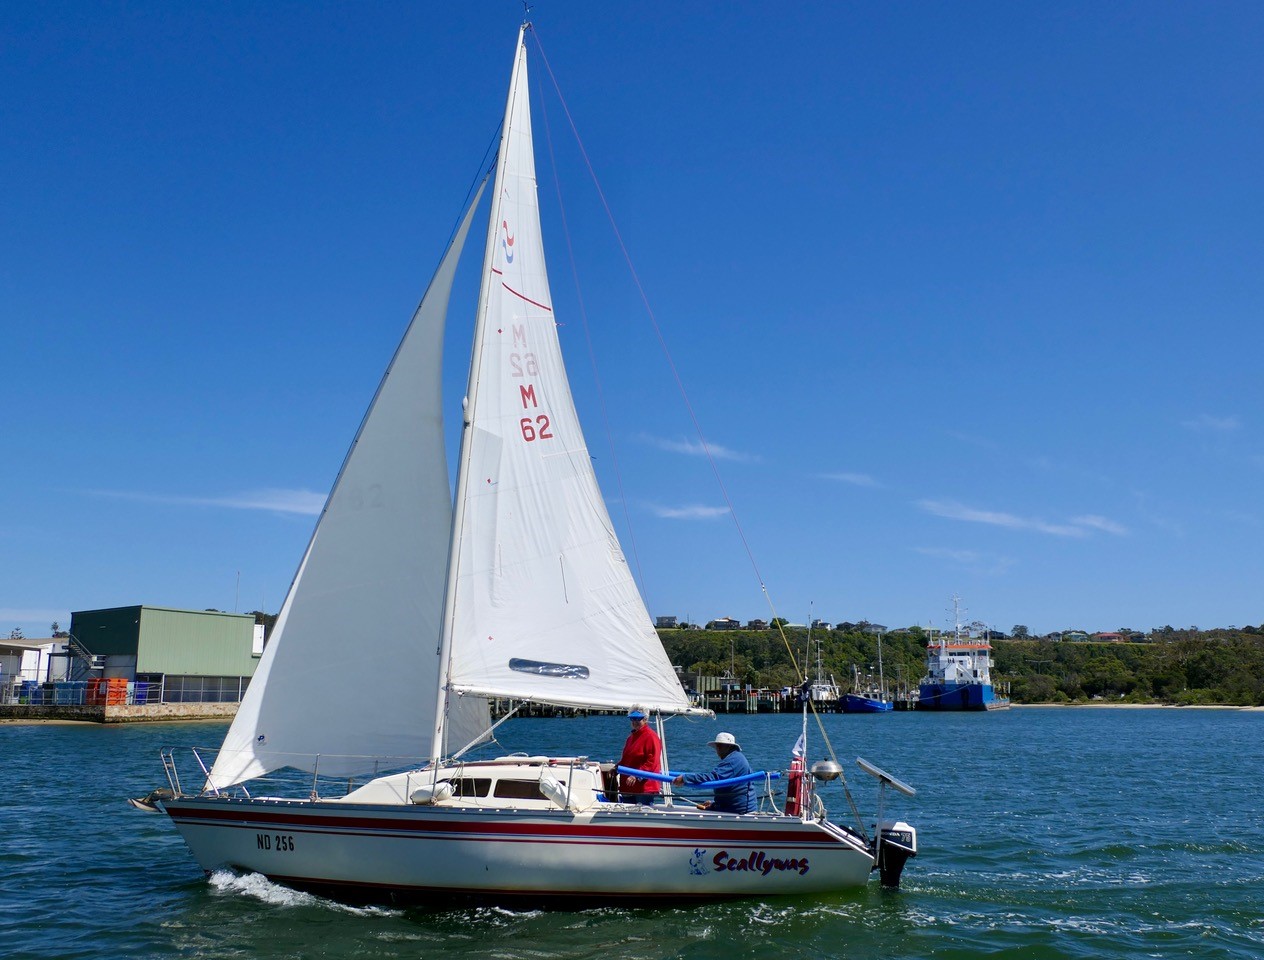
<point x="893" y="843"/>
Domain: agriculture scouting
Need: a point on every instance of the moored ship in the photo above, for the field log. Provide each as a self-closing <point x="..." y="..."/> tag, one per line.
<point x="959" y="672"/>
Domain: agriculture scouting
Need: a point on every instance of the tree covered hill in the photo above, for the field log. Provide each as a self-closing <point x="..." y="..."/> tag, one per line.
<point x="1176" y="666"/>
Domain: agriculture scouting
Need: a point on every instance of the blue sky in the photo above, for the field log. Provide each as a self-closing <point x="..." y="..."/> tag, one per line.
<point x="966" y="297"/>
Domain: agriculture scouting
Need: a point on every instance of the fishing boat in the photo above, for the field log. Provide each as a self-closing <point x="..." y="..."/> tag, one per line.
<point x="868" y="694"/>
<point x="959" y="672"/>
<point x="514" y="588"/>
<point x="859" y="703"/>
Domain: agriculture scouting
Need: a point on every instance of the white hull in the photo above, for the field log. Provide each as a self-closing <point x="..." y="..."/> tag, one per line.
<point x="431" y="852"/>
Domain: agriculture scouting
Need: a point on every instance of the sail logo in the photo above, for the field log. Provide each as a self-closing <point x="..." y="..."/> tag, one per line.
<point x="507" y="242"/>
<point x="759" y="862"/>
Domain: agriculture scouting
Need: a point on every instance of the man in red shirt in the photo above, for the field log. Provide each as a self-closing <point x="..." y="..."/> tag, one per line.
<point x="642" y="751"/>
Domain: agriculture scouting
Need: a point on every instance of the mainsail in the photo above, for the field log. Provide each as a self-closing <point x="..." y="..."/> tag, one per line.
<point x="369" y="591"/>
<point x="542" y="605"/>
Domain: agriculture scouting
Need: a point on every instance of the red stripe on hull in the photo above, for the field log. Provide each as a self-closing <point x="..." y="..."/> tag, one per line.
<point x="683" y="833"/>
<point x="788" y="844"/>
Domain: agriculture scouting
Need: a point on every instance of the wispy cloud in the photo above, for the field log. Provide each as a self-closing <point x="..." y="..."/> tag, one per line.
<point x="855" y="479"/>
<point x="691" y="512"/>
<point x="952" y="510"/>
<point x="1105" y="524"/>
<point x="306" y="502"/>
<point x="1077" y="527"/>
<point x="1206" y="423"/>
<point x="695" y="448"/>
<point x="275" y="500"/>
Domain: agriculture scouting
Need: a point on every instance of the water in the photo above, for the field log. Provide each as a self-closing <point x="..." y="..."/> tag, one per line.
<point x="1045" y="833"/>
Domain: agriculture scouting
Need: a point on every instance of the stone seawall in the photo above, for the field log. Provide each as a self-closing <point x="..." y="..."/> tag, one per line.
<point x="121" y="713"/>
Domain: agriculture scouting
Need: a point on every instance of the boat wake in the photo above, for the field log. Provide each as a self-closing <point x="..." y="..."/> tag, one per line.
<point x="259" y="887"/>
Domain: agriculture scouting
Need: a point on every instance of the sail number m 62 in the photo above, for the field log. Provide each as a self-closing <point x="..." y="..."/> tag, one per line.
<point x="539" y="429"/>
<point x="284" y="842"/>
<point x="522" y="366"/>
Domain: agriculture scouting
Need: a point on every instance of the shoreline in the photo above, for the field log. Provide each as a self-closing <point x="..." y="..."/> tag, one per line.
<point x="1091" y="705"/>
<point x="64" y="722"/>
<point x="1104" y="705"/>
<point x="32" y="721"/>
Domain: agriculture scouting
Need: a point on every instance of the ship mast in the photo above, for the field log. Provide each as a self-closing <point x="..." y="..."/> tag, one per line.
<point x="956" y="618"/>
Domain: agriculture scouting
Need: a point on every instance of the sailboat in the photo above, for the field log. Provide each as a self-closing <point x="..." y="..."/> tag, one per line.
<point x="821" y="692"/>
<point x="513" y="589"/>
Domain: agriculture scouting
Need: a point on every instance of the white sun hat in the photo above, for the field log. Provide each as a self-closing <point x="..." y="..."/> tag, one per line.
<point x="725" y="740"/>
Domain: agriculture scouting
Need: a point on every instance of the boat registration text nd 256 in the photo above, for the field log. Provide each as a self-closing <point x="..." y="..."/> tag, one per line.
<point x="283" y="842"/>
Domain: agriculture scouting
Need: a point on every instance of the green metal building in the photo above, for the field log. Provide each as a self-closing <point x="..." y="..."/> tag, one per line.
<point x="173" y="655"/>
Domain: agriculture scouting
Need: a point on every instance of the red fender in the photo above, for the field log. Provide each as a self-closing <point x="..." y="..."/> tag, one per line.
<point x="794" y="788"/>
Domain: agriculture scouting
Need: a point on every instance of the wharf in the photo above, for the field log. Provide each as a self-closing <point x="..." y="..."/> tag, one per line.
<point x="119" y="712"/>
<point x="763" y="702"/>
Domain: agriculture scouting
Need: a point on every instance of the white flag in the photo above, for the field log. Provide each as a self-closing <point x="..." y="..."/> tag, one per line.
<point x="799" y="746"/>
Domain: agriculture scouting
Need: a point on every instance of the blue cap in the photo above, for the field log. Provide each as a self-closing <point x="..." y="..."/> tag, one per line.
<point x="636" y="714"/>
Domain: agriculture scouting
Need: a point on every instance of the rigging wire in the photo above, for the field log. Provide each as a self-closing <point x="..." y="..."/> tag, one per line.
<point x="592" y="354"/>
<point x="715" y="470"/>
<point x="486" y="167"/>
<point x="649" y="310"/>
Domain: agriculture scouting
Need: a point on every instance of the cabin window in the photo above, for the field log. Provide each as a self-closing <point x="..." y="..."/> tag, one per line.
<point x="518" y="789"/>
<point x="472" y="787"/>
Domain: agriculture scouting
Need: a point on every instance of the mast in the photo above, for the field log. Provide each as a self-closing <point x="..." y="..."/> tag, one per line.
<point x="882" y="680"/>
<point x="809" y="659"/>
<point x="540" y="603"/>
<point x="468" y="406"/>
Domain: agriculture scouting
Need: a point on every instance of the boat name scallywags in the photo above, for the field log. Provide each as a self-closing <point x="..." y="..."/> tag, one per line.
<point x="758" y="862"/>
